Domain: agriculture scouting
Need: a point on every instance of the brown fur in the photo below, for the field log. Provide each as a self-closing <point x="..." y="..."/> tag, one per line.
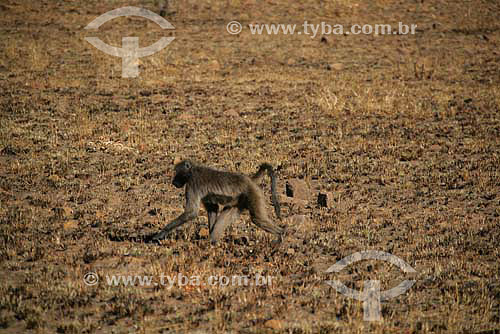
<point x="213" y="188"/>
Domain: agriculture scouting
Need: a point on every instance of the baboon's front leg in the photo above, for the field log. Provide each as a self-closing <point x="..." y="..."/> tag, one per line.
<point x="192" y="207"/>
<point x="212" y="211"/>
<point x="182" y="219"/>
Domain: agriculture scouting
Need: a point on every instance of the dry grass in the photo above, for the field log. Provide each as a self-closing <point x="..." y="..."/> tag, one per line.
<point x="405" y="133"/>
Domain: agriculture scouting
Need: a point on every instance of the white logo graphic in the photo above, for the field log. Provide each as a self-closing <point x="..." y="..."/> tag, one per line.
<point x="130" y="51"/>
<point x="90" y="279"/>
<point x="234" y="27"/>
<point x="371" y="295"/>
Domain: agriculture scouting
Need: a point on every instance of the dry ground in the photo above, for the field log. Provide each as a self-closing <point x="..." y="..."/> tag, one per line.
<point x="403" y="130"/>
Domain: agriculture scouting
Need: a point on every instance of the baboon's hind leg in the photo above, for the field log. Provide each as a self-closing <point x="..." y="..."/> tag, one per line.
<point x="258" y="214"/>
<point x="267" y="225"/>
<point x="228" y="215"/>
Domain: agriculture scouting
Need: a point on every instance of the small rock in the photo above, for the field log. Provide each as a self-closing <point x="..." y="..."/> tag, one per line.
<point x="325" y="200"/>
<point x="100" y="215"/>
<point x="63" y="212"/>
<point x="204" y="232"/>
<point x="67" y="211"/>
<point x="251" y="61"/>
<point x="214" y="65"/>
<point x="298" y="189"/>
<point x="290" y="201"/>
<point x="70" y="224"/>
<point x="337" y="66"/>
<point x="231" y="113"/>
<point x="435" y="147"/>
<point x="301" y="203"/>
<point x="274" y="324"/>
<point x="290" y="251"/>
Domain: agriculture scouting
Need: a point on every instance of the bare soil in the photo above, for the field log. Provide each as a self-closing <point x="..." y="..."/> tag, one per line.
<point x="402" y="132"/>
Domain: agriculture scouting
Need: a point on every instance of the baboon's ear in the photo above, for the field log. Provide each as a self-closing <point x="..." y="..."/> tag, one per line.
<point x="188" y="165"/>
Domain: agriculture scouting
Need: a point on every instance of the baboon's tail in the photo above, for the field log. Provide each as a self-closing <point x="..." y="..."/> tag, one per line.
<point x="274" y="196"/>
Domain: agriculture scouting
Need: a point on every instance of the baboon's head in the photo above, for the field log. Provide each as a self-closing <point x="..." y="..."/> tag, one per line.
<point x="182" y="173"/>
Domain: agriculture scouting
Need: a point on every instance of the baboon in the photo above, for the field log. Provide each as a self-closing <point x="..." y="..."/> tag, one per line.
<point x="234" y="192"/>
